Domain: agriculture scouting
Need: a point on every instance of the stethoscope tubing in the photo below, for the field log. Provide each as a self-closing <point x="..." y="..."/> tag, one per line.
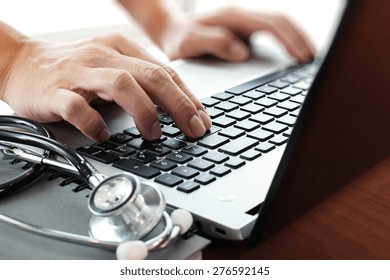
<point x="158" y="242"/>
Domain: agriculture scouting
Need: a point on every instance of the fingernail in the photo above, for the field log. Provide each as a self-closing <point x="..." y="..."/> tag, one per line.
<point x="155" y="131"/>
<point x="104" y="135"/>
<point x="238" y="50"/>
<point x="197" y="126"/>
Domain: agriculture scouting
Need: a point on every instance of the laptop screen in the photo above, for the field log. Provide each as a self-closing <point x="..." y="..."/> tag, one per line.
<point x="343" y="128"/>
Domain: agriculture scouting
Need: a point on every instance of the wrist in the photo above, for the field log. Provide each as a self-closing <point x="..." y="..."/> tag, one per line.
<point x="11" y="44"/>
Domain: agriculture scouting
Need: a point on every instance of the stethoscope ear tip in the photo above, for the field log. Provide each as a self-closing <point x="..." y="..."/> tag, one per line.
<point x="132" y="250"/>
<point x="183" y="219"/>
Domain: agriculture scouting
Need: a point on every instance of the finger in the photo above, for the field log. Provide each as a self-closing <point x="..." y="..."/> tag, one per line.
<point x="201" y="110"/>
<point x="220" y="42"/>
<point x="293" y="38"/>
<point x="187" y="113"/>
<point x="74" y="109"/>
<point x="118" y="85"/>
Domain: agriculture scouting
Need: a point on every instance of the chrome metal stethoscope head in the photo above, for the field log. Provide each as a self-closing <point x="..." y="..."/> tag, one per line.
<point x="123" y="209"/>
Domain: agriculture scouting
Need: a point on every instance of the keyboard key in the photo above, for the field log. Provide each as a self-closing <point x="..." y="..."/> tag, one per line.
<point x="201" y="164"/>
<point x="214" y="113"/>
<point x="296" y="112"/>
<point x="260" y="134"/>
<point x="298" y="99"/>
<point x="231" y="132"/>
<point x="165" y="119"/>
<point x="275" y="112"/>
<point x="238" y="146"/>
<point x="253" y="94"/>
<point x="163" y="164"/>
<point x="174" y="144"/>
<point x="122" y="151"/>
<point x="179" y="157"/>
<point x="220" y="170"/>
<point x="194" y="150"/>
<point x="143" y="157"/>
<point x="105" y="145"/>
<point x="247" y="125"/>
<point x="238" y="115"/>
<point x="224" y="121"/>
<point x="213" y="141"/>
<point x="216" y="157"/>
<point x="158" y="150"/>
<point x="279" y="96"/>
<point x="288" y="132"/>
<point x="290" y="106"/>
<point x="168" y="180"/>
<point x="266" y="89"/>
<point x="266" y="102"/>
<point x="139" y="144"/>
<point x="136" y="168"/>
<point x="252" y="108"/>
<point x="250" y="155"/>
<point x="275" y="127"/>
<point x="265" y="147"/>
<point x="97" y="154"/>
<point x="170" y="131"/>
<point x="291" y="91"/>
<point x="204" y="178"/>
<point x="261" y="118"/>
<point x="223" y="96"/>
<point x="287" y="120"/>
<point x="226" y="106"/>
<point x="278" y="140"/>
<point x="185" y="172"/>
<point x="132" y="131"/>
<point x="209" y="102"/>
<point x="188" y="187"/>
<point x="235" y="163"/>
<point x="120" y="138"/>
<point x="240" y="100"/>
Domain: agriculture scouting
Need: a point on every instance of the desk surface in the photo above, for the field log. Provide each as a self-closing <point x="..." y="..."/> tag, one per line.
<point x="352" y="224"/>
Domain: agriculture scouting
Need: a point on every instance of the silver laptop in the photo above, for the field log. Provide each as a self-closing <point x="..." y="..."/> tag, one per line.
<point x="223" y="178"/>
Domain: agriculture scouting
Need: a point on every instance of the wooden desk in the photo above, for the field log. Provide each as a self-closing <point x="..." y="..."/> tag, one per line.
<point x="352" y="224"/>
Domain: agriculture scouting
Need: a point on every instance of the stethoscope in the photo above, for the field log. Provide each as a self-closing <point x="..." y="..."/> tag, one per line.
<point x="124" y="210"/>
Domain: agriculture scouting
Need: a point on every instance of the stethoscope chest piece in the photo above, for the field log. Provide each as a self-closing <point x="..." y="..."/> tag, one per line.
<point x="124" y="209"/>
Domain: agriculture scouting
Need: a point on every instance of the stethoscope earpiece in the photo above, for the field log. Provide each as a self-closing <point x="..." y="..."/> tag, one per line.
<point x="132" y="250"/>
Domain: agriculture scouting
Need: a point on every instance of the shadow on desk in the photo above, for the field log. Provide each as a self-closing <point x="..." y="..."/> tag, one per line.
<point x="352" y="224"/>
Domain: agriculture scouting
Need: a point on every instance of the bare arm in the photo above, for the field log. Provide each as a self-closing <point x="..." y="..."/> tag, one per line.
<point x="11" y="43"/>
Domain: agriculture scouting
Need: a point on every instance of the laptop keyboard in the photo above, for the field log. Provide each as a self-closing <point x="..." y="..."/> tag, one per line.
<point x="249" y="120"/>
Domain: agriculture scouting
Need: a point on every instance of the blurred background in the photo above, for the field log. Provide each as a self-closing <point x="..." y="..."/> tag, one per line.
<point x="48" y="16"/>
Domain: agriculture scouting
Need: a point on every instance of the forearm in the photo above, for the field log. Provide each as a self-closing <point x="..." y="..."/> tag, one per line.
<point x="155" y="16"/>
<point x="11" y="42"/>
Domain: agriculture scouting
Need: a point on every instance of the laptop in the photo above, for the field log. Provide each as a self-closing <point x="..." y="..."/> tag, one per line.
<point x="306" y="131"/>
<point x="314" y="131"/>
